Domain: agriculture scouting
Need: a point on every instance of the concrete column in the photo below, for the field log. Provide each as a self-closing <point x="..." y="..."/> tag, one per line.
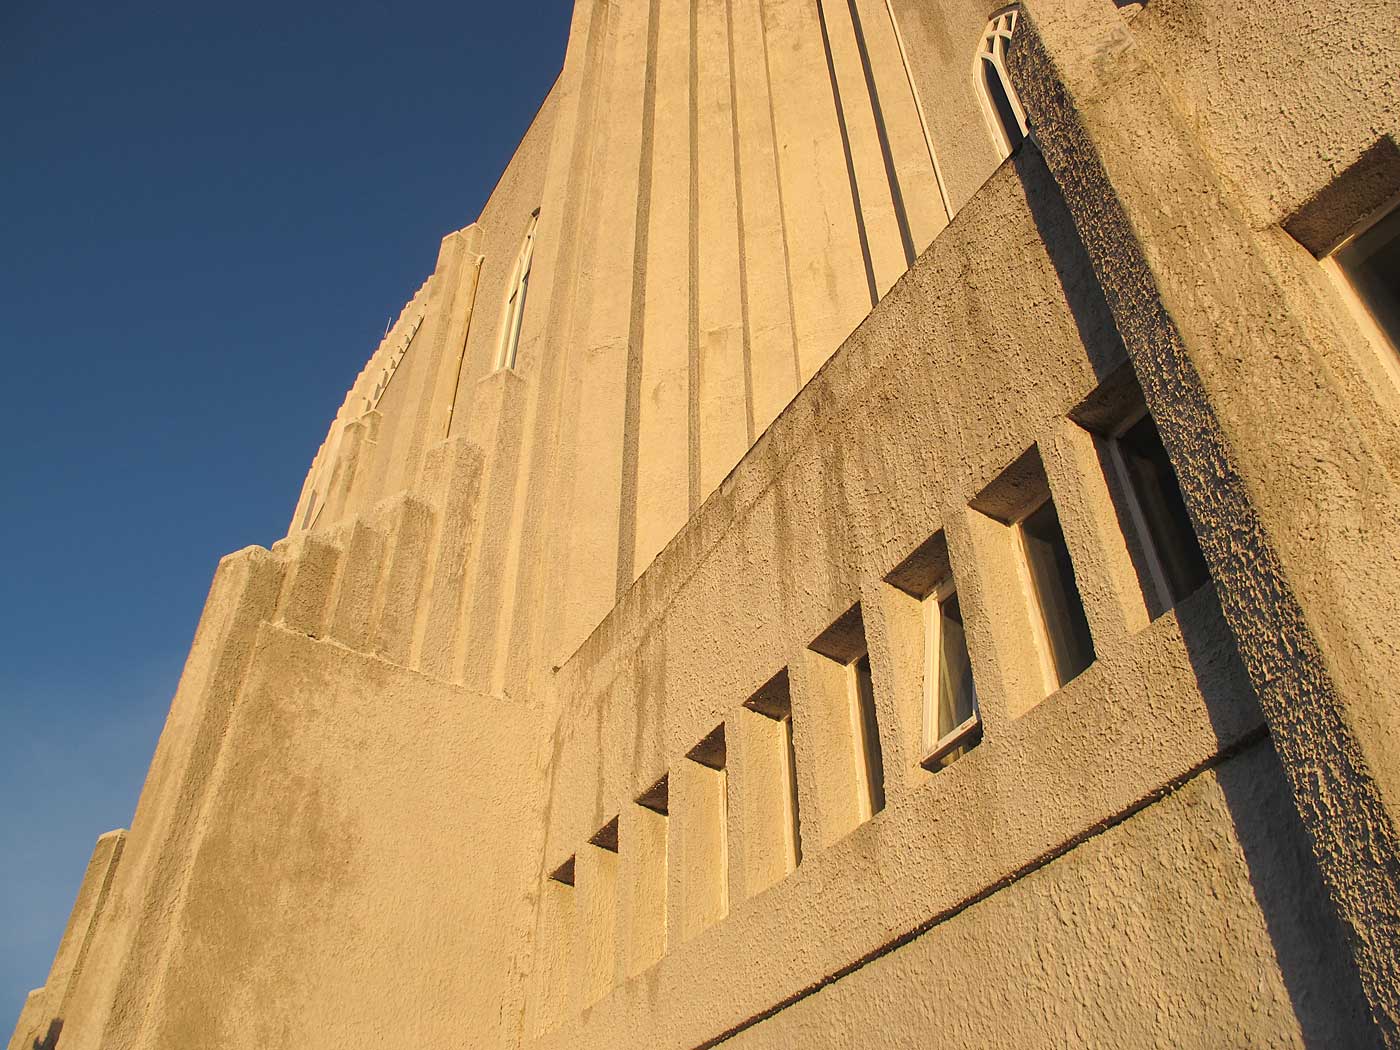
<point x="889" y="246"/>
<point x="596" y="889"/>
<point x="909" y="151"/>
<point x="46" y="1008"/>
<point x="593" y="418"/>
<point x="354" y="600"/>
<point x="313" y="567"/>
<point x="722" y="393"/>
<point x="831" y="292"/>
<point x="663" y="452"/>
<point x="763" y="258"/>
<point x="698" y="891"/>
<point x="436" y="643"/>
<point x="1217" y="316"/>
<point x="644" y="867"/>
<point x="399" y="592"/>
<point x="109" y="1006"/>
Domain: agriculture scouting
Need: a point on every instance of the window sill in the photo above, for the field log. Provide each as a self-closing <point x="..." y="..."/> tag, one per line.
<point x="969" y="732"/>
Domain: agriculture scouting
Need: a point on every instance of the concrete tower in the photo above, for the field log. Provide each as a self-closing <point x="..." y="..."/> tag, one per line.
<point x="880" y="534"/>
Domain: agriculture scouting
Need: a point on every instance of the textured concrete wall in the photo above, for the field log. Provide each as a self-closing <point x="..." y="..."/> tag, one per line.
<point x="925" y="407"/>
<point x="492" y="749"/>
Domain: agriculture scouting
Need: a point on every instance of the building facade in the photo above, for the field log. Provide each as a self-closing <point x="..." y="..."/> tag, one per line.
<point x="880" y="534"/>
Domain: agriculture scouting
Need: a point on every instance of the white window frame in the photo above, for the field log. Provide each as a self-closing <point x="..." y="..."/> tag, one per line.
<point x="935" y="747"/>
<point x="513" y="309"/>
<point x="992" y="52"/>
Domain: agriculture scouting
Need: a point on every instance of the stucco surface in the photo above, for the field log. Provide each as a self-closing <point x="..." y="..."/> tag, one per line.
<point x="493" y="749"/>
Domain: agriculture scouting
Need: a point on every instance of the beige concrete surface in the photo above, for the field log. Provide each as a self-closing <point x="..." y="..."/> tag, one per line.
<point x="542" y="727"/>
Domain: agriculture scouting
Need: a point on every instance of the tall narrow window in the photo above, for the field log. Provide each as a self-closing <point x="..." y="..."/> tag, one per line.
<point x="842" y="678"/>
<point x="1066" y="630"/>
<point x="773" y="815"/>
<point x="867" y="728"/>
<point x="701" y="804"/>
<point x="513" y="315"/>
<point x="1175" y="566"/>
<point x="1003" y="109"/>
<point x="951" y="721"/>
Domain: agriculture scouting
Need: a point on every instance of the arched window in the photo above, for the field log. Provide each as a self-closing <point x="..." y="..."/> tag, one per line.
<point x="1004" y="113"/>
<point x="513" y="314"/>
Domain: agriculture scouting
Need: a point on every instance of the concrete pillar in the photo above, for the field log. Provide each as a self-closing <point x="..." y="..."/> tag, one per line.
<point x="663" y="398"/>
<point x="643" y="919"/>
<point x="831" y="291"/>
<point x="435" y="646"/>
<point x="766" y="287"/>
<point x="698" y="891"/>
<point x="109" y="1006"/>
<point x="354" y="600"/>
<point x="313" y="567"/>
<point x="45" y="1008"/>
<point x="889" y="246"/>
<point x="910" y="153"/>
<point x="593" y="416"/>
<point x="722" y="392"/>
<point x="399" y="592"/>
<point x="1215" y="316"/>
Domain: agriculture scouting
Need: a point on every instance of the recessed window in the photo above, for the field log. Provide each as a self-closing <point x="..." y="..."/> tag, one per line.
<point x="1005" y="116"/>
<point x="1369" y="262"/>
<point x="951" y="721"/>
<point x="773" y="765"/>
<point x="513" y="314"/>
<point x="848" y="685"/>
<point x="1064" y="627"/>
<point x="1176" y="567"/>
<point x="648" y="915"/>
<point x="704" y="820"/>
<point x="867" y="729"/>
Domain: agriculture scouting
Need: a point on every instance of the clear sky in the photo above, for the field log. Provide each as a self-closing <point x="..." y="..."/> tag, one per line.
<point x="207" y="214"/>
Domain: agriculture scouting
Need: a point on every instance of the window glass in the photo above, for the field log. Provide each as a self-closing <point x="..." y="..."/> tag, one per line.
<point x="1371" y="263"/>
<point x="1052" y="576"/>
<point x="1169" y="527"/>
<point x="957" y="696"/>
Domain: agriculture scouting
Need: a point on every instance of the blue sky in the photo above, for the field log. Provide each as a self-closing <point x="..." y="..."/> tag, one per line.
<point x="207" y="215"/>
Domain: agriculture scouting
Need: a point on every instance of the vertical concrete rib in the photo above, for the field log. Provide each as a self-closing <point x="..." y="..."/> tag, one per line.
<point x="110" y="1007"/>
<point x="595" y="415"/>
<point x="926" y="198"/>
<point x="767" y="277"/>
<point x="629" y="497"/>
<point x="723" y="397"/>
<point x="535" y="489"/>
<point x="870" y="188"/>
<point x="831" y="286"/>
<point x="877" y="110"/>
<point x="663" y="419"/>
<point x="693" y="322"/>
<point x="746" y="328"/>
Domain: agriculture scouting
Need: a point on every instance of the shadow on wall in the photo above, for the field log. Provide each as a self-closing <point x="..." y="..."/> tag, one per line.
<point x="50" y="1040"/>
<point x="1308" y="938"/>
